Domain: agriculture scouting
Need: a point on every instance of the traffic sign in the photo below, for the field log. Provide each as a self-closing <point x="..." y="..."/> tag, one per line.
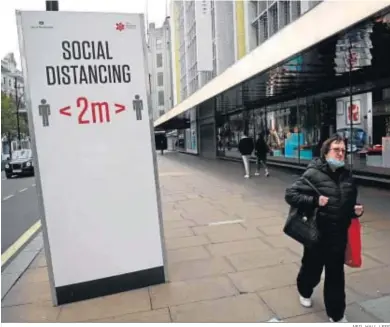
<point x="93" y="142"/>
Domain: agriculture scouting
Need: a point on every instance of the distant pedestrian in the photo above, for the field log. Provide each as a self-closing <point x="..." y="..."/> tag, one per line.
<point x="246" y="147"/>
<point x="262" y="149"/>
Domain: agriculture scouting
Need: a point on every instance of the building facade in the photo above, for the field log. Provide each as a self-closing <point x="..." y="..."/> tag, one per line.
<point x="209" y="36"/>
<point x="300" y="84"/>
<point x="11" y="77"/>
<point x="12" y="84"/>
<point x="160" y="68"/>
<point x="203" y="35"/>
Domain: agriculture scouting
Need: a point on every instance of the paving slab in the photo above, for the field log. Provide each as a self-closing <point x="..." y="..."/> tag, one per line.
<point x="234" y="309"/>
<point x="152" y="316"/>
<point x="378" y="307"/>
<point x="107" y="306"/>
<point x="176" y="293"/>
<point x="186" y="254"/>
<point x="193" y="269"/>
<point x="265" y="278"/>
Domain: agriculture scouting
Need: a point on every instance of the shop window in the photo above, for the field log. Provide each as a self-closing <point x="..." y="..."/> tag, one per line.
<point x="386" y="93"/>
<point x="283" y="137"/>
<point x="229" y="134"/>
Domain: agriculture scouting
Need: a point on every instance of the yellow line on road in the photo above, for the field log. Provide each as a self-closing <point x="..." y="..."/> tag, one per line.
<point x="20" y="242"/>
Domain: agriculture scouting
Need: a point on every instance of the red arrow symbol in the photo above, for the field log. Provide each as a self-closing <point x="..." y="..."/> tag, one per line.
<point x="120" y="107"/>
<point x="65" y="111"/>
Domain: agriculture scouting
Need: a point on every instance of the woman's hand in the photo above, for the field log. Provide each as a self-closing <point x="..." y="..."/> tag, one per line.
<point x="323" y="201"/>
<point x="359" y="209"/>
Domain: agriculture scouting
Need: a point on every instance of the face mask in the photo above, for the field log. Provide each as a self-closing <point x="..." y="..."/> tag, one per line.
<point x="334" y="163"/>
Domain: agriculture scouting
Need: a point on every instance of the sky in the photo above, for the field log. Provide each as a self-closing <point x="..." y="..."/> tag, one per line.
<point x="156" y="10"/>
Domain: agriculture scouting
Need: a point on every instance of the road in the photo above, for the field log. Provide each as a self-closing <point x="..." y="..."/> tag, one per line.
<point x="19" y="208"/>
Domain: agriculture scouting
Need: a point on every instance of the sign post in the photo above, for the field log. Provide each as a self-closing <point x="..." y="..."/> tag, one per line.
<point x="86" y="88"/>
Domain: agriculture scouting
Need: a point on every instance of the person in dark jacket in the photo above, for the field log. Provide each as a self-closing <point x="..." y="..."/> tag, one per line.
<point x="246" y="147"/>
<point x="337" y="207"/>
<point x="261" y="149"/>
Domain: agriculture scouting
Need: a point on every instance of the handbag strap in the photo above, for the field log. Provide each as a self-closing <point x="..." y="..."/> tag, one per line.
<point x="312" y="186"/>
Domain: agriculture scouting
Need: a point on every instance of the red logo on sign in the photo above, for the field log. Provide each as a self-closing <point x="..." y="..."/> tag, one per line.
<point x="354" y="112"/>
<point x="120" y="27"/>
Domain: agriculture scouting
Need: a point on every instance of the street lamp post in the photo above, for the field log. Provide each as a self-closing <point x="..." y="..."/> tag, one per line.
<point x="349" y="110"/>
<point x="17" y="101"/>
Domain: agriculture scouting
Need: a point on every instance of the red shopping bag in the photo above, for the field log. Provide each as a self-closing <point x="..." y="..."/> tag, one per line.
<point x="353" y="252"/>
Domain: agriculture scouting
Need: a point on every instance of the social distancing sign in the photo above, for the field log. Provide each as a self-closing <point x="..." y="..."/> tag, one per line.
<point x="87" y="93"/>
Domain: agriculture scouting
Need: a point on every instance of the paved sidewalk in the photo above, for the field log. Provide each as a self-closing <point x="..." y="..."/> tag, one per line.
<point x="227" y="256"/>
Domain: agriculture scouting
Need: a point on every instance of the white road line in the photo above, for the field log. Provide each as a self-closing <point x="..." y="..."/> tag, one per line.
<point x="226" y="222"/>
<point x="8" y="197"/>
<point x="23" y="189"/>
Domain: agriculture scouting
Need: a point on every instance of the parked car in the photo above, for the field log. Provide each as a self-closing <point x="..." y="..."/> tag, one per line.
<point x="21" y="164"/>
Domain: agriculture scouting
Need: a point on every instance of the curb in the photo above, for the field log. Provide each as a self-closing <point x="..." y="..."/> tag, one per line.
<point x="20" y="263"/>
<point x="19" y="244"/>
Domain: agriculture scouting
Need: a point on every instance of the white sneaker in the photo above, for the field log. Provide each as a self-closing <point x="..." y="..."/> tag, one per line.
<point x="344" y="319"/>
<point x="246" y="176"/>
<point x="257" y="174"/>
<point x="307" y="303"/>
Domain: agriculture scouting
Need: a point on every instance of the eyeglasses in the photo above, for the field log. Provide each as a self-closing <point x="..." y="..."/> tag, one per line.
<point x="338" y="150"/>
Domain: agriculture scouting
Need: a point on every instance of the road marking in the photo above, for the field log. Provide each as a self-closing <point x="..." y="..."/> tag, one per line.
<point x="226" y="222"/>
<point x="23" y="189"/>
<point x="33" y="185"/>
<point x="8" y="197"/>
<point x="20" y="242"/>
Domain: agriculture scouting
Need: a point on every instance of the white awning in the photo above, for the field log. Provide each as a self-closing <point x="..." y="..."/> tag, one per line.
<point x="326" y="19"/>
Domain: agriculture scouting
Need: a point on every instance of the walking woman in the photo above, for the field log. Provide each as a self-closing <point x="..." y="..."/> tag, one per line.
<point x="246" y="146"/>
<point x="261" y="149"/>
<point x="337" y="206"/>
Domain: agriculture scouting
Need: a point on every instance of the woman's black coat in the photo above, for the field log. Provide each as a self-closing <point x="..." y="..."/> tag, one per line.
<point x="333" y="219"/>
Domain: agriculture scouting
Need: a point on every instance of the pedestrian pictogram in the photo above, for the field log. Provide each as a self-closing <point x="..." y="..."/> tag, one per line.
<point x="92" y="112"/>
<point x="138" y="107"/>
<point x="44" y="111"/>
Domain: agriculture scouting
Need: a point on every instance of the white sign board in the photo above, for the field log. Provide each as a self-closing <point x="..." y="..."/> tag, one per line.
<point x="86" y="79"/>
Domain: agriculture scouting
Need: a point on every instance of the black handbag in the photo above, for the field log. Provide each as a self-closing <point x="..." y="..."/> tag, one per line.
<point x="302" y="226"/>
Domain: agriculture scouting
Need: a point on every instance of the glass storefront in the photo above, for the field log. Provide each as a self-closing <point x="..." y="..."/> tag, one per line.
<point x="301" y="106"/>
<point x="188" y="138"/>
<point x="296" y="129"/>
